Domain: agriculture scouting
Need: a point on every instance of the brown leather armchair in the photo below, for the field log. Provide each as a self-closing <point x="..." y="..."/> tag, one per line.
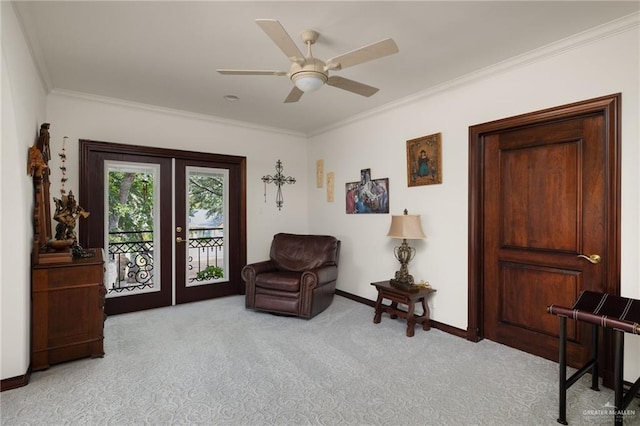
<point x="299" y="278"/>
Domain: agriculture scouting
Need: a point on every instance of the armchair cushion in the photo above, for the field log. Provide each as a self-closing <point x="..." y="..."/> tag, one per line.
<point x="300" y="253"/>
<point x="280" y="280"/>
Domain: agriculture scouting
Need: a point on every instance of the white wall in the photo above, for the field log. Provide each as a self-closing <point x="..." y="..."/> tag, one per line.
<point x="23" y="110"/>
<point x="590" y="69"/>
<point x="556" y="76"/>
<point x="25" y="106"/>
<point x="110" y="121"/>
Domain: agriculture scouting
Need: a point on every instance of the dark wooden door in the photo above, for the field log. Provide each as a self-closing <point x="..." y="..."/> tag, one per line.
<point x="198" y="248"/>
<point x="545" y="197"/>
<point x="142" y="260"/>
<point x="155" y="265"/>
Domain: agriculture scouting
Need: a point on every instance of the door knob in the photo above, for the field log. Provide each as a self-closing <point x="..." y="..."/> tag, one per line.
<point x="594" y="258"/>
<point x="179" y="240"/>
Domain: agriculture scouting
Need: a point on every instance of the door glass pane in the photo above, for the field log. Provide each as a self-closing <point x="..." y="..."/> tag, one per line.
<point x="206" y="225"/>
<point x="132" y="227"/>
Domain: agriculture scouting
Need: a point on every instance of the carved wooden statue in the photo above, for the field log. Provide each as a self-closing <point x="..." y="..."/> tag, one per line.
<point x="36" y="165"/>
<point x="66" y="214"/>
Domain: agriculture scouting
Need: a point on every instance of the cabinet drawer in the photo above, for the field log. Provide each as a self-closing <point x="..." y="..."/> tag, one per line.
<point x="64" y="277"/>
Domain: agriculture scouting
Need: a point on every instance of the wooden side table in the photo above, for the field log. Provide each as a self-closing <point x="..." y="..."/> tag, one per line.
<point x="408" y="297"/>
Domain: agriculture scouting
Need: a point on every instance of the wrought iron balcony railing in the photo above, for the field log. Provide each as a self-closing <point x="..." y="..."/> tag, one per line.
<point x="131" y="259"/>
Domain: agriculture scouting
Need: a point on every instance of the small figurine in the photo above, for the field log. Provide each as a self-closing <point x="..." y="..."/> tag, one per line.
<point x="66" y="214"/>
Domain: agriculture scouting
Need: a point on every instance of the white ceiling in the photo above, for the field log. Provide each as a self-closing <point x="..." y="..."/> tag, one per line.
<point x="166" y="53"/>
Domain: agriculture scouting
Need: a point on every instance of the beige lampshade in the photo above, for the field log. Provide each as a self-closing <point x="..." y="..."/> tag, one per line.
<point x="406" y="226"/>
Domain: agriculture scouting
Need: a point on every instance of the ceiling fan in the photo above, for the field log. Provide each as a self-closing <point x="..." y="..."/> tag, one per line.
<point x="308" y="73"/>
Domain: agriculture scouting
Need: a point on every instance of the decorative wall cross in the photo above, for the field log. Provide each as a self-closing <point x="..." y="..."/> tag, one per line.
<point x="279" y="179"/>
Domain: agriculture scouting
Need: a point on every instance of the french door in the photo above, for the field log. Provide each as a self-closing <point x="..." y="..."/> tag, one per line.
<point x="172" y="223"/>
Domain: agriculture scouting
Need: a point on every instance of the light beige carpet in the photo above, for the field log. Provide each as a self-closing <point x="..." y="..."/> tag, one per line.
<point x="215" y="363"/>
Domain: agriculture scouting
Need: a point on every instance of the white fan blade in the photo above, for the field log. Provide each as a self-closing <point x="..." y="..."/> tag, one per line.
<point x="352" y="86"/>
<point x="294" y="95"/>
<point x="363" y="54"/>
<point x="280" y="37"/>
<point x="251" y="72"/>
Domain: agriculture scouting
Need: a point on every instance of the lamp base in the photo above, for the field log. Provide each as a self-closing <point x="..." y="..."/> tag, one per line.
<point x="406" y="285"/>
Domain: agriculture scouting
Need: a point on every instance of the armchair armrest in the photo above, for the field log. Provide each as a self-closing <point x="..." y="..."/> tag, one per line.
<point x="249" y="272"/>
<point x="319" y="276"/>
<point x="316" y="289"/>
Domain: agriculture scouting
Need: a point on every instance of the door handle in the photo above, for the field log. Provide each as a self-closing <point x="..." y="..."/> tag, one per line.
<point x="179" y="240"/>
<point x="594" y="258"/>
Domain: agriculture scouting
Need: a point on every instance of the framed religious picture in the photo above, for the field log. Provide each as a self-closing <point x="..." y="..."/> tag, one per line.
<point x="368" y="195"/>
<point x="424" y="160"/>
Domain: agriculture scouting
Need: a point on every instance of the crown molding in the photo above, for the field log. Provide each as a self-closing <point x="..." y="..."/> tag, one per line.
<point x="175" y="112"/>
<point x="627" y="23"/>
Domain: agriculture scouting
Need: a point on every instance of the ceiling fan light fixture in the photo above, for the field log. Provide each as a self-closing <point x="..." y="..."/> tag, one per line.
<point x="309" y="74"/>
<point x="309" y="81"/>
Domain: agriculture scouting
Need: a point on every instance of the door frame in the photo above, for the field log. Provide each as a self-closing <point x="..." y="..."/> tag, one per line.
<point x="237" y="163"/>
<point x="609" y="108"/>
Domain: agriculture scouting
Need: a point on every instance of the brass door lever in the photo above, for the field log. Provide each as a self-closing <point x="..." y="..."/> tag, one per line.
<point x="594" y="258"/>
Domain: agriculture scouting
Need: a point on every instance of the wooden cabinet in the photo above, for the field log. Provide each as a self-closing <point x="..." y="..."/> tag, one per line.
<point x="67" y="310"/>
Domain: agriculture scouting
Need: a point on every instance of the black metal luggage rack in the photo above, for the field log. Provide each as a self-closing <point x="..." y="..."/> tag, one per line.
<point x="620" y="314"/>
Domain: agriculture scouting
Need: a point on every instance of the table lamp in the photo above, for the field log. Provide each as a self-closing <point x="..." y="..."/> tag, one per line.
<point x="405" y="227"/>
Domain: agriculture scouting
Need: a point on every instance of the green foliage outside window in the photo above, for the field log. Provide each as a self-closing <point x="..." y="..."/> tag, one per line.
<point x="210" y="272"/>
<point x="130" y="205"/>
<point x="205" y="193"/>
<point x="131" y="202"/>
